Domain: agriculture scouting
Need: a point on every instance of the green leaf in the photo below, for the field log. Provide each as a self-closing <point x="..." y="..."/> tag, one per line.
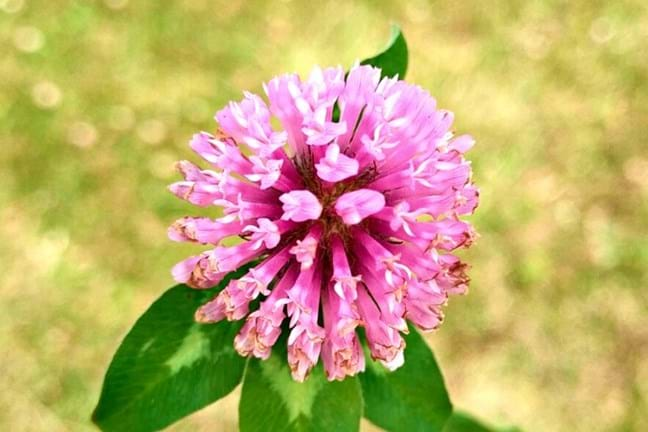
<point x="273" y="401"/>
<point x="393" y="60"/>
<point x="462" y="422"/>
<point x="169" y="366"/>
<point x="413" y="397"/>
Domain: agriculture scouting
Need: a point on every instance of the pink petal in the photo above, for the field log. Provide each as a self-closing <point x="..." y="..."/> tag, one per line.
<point x="354" y="206"/>
<point x="300" y="206"/>
<point x="182" y="271"/>
<point x="462" y="143"/>
<point x="336" y="166"/>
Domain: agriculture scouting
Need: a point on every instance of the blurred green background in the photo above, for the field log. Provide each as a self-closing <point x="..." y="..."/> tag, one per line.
<point x="99" y="98"/>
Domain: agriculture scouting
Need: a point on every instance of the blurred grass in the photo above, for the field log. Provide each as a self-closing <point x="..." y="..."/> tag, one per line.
<point x="98" y="98"/>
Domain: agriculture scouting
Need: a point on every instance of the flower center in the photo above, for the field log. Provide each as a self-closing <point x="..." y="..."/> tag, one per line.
<point x="327" y="193"/>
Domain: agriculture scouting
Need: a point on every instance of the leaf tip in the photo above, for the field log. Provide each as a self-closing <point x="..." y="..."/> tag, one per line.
<point x="393" y="60"/>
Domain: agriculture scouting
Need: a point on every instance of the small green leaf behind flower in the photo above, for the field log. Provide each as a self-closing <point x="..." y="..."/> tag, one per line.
<point x="169" y="366"/>
<point x="273" y="402"/>
<point x="393" y="59"/>
<point x="412" y="398"/>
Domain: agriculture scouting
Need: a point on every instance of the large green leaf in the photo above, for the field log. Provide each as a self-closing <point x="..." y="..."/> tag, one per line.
<point x="273" y="402"/>
<point x="393" y="59"/>
<point x="169" y="366"/>
<point x="413" y="397"/>
<point x="462" y="422"/>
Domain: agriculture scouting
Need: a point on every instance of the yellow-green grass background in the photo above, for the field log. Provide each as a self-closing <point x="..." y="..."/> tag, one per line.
<point x="99" y="98"/>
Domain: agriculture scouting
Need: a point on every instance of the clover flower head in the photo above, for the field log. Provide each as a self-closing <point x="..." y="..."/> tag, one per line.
<point x="354" y="208"/>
